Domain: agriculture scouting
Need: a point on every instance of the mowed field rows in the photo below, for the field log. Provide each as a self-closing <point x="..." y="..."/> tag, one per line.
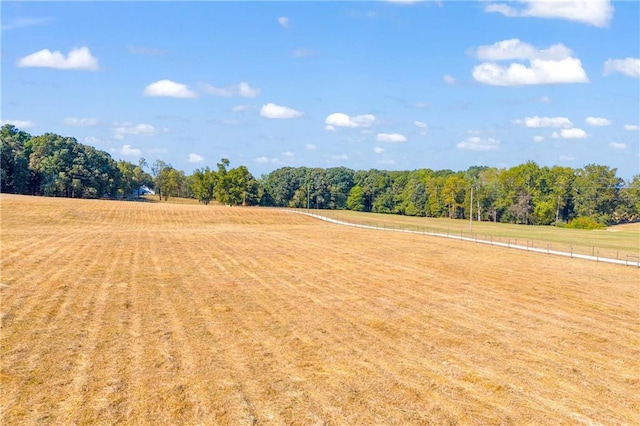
<point x="144" y="313"/>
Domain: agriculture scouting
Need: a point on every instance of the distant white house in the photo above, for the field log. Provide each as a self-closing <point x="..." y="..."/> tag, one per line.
<point x="144" y="190"/>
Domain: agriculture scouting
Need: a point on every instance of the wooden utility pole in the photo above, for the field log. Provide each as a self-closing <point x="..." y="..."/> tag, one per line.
<point x="471" y="211"/>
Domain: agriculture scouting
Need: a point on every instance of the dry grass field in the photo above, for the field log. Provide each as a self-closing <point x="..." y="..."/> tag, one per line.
<point x="155" y="313"/>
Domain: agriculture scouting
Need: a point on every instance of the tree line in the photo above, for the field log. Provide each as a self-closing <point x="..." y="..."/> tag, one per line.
<point x="524" y="194"/>
<point x="54" y="165"/>
<point x="57" y="166"/>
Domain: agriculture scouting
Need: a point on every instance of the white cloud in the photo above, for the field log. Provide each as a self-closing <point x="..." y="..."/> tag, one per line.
<point x="420" y="124"/>
<point x="501" y="8"/>
<point x="515" y="49"/>
<point x="378" y="150"/>
<point x="598" y="121"/>
<point x="574" y="133"/>
<point x="261" y="160"/>
<point x="538" y="138"/>
<point x="540" y="71"/>
<point x="242" y="89"/>
<point x="546" y="66"/>
<point x="77" y="59"/>
<point x="544" y="100"/>
<point x="20" y="124"/>
<point x="475" y="143"/>
<point x="616" y="145"/>
<point x="390" y="137"/>
<point x="247" y="91"/>
<point x="80" y="122"/>
<point x="567" y="157"/>
<point x="449" y="79"/>
<point x="310" y="147"/>
<point x="592" y="12"/>
<point x="283" y="21"/>
<point x="339" y="119"/>
<point x="339" y="157"/>
<point x="195" y="158"/>
<point x="536" y="122"/>
<point x="631" y="127"/>
<point x="330" y="128"/>
<point x="125" y="128"/>
<point x="272" y="110"/>
<point x="288" y="154"/>
<point x="168" y="88"/>
<point x="127" y="151"/>
<point x="627" y="66"/>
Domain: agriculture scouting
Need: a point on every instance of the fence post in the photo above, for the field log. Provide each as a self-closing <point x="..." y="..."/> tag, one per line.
<point x="571" y="250"/>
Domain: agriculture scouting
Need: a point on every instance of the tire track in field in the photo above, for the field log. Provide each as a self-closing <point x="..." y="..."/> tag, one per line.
<point x="183" y="394"/>
<point x="109" y="387"/>
<point x="237" y="399"/>
<point x="240" y="266"/>
<point x="29" y="277"/>
<point x="448" y="328"/>
<point x="309" y="345"/>
<point x="51" y="342"/>
<point x="74" y="408"/>
<point x="453" y="305"/>
<point x="538" y="310"/>
<point x="261" y="348"/>
<point x="137" y="297"/>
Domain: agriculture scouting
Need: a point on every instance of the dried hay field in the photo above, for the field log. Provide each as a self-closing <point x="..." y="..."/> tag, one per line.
<point x="155" y="313"/>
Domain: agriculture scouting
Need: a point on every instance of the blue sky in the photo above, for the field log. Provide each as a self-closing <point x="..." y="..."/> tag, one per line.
<point x="394" y="85"/>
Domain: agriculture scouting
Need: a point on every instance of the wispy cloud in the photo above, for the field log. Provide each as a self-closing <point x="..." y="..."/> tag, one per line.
<point x="20" y="124"/>
<point x="80" y="122"/>
<point x="592" y="12"/>
<point x="391" y="137"/>
<point x="627" y="66"/>
<point x="242" y="89"/>
<point x="475" y="143"/>
<point x="20" y="23"/>
<point x="195" y="158"/>
<point x="283" y="21"/>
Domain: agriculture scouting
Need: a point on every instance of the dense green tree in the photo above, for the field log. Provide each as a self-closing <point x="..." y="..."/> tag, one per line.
<point x="14" y="160"/>
<point x="355" y="200"/>
<point x="596" y="192"/>
<point x="203" y="184"/>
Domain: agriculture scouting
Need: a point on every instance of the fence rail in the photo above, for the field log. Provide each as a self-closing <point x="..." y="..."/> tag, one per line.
<point x="512" y="243"/>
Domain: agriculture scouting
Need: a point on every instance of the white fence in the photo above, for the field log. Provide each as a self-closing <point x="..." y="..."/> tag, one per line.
<point x="571" y="254"/>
